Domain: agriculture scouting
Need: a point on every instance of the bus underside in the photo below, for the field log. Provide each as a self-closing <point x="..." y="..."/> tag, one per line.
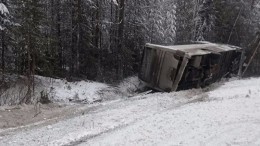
<point x="167" y="71"/>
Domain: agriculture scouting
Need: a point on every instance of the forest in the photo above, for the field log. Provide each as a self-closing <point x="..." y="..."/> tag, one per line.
<point x="71" y="72"/>
<point x="102" y="40"/>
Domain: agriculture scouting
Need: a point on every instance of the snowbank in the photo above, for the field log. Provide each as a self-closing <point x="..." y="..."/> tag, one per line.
<point x="64" y="91"/>
<point x="59" y="90"/>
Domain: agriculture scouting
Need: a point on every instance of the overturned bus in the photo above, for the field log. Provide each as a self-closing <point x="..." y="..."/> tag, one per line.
<point x="180" y="67"/>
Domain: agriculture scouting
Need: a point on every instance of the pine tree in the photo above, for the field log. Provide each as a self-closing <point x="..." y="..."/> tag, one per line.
<point x="204" y="21"/>
<point x="5" y="25"/>
<point x="29" y="39"/>
<point x="185" y="21"/>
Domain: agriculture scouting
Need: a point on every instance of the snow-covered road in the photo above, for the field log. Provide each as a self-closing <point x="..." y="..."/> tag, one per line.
<point x="227" y="114"/>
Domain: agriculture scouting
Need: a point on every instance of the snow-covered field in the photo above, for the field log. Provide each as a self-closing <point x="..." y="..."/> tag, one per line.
<point x="224" y="114"/>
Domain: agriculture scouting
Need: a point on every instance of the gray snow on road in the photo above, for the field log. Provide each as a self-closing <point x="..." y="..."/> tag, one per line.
<point x="224" y="114"/>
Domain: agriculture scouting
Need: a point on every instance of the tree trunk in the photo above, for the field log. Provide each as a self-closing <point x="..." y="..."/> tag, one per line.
<point x="60" y="49"/>
<point x="121" y="38"/>
<point x="73" y="38"/>
<point x="3" y="54"/>
<point x="97" y="25"/>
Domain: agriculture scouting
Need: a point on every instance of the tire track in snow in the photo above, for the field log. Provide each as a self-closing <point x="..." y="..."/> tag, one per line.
<point x="119" y="127"/>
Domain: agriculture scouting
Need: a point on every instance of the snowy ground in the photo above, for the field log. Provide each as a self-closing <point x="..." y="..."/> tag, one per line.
<point x="226" y="114"/>
<point x="62" y="91"/>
